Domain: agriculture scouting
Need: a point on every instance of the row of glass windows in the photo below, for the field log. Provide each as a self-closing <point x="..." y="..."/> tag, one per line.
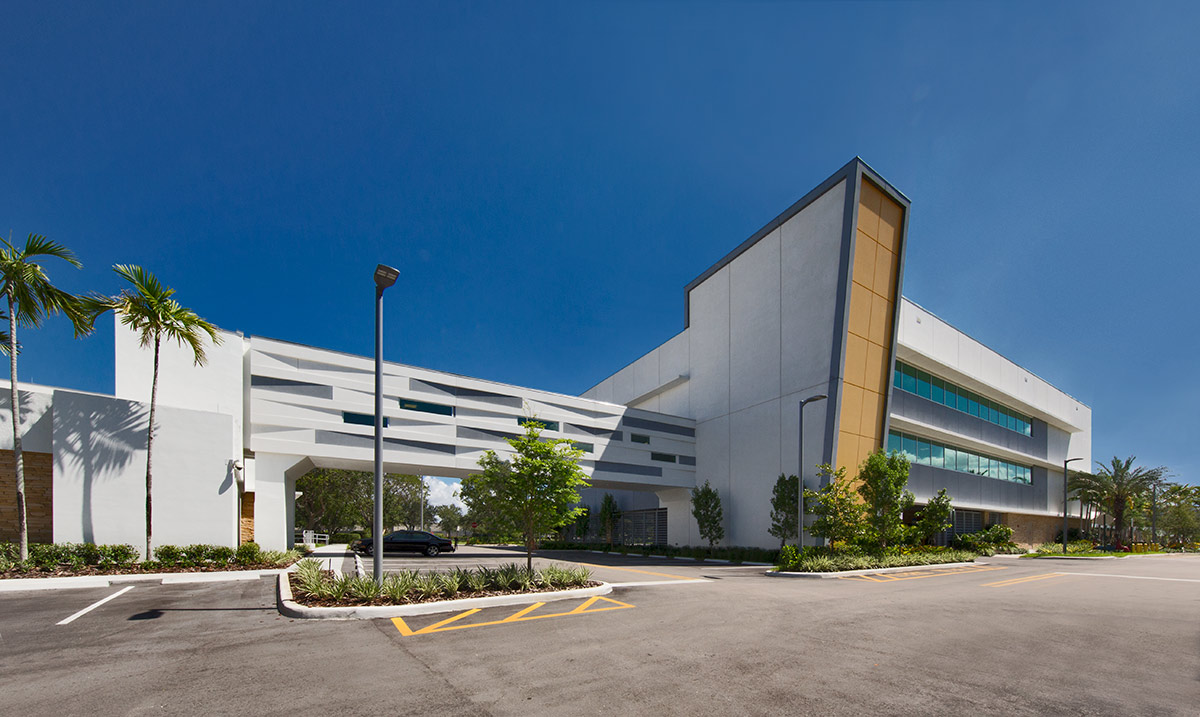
<point x="940" y="455"/>
<point x="914" y="380"/>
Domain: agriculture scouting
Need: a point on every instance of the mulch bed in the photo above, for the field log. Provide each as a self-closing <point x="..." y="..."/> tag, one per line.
<point x="67" y="572"/>
<point x="308" y="601"/>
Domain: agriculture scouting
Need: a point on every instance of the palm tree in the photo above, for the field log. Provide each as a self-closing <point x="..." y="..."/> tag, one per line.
<point x="149" y="310"/>
<point x="1116" y="488"/>
<point x="31" y="297"/>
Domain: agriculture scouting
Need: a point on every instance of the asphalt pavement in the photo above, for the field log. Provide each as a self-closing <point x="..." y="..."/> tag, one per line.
<point x="1007" y="637"/>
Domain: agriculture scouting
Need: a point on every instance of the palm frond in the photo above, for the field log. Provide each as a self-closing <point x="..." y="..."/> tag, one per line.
<point x="149" y="309"/>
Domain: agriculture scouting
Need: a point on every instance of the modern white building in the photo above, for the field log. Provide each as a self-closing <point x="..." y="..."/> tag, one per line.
<point x="810" y="304"/>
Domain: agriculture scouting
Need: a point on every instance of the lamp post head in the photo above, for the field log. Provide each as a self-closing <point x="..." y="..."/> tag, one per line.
<point x="385" y="276"/>
<point x="810" y="399"/>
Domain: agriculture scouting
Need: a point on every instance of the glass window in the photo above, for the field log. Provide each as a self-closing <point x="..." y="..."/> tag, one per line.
<point x="923" y="452"/>
<point x="1011" y="422"/>
<point x="894" y="442"/>
<point x="923" y="386"/>
<point x="910" y="379"/>
<point x="973" y="463"/>
<point x="664" y="457"/>
<point x="951" y="397"/>
<point x="910" y="448"/>
<point x="964" y="461"/>
<point x="426" y="407"/>
<point x="362" y="419"/>
<point x="936" y="455"/>
<point x="951" y="459"/>
<point x="939" y="390"/>
<point x="546" y="425"/>
<point x="964" y="404"/>
<point x="993" y="413"/>
<point x="973" y="405"/>
<point x="585" y="447"/>
<point x="639" y="438"/>
<point x="898" y="377"/>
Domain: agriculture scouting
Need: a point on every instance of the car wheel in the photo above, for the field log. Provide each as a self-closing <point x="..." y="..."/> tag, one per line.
<point x="432" y="550"/>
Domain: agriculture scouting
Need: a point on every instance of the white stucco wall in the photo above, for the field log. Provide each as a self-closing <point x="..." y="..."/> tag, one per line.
<point x="36" y="432"/>
<point x="100" y="472"/>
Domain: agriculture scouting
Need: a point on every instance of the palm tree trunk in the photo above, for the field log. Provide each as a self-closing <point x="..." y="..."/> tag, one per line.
<point x="150" y="449"/>
<point x="18" y="459"/>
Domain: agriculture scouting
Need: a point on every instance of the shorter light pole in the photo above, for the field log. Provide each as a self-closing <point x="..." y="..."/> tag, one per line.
<point x="385" y="276"/>
<point x="1065" y="481"/>
<point x="800" y="472"/>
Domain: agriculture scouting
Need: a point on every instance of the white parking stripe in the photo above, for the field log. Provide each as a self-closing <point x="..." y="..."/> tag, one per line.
<point x="1133" y="577"/>
<point x="660" y="582"/>
<point x="95" y="605"/>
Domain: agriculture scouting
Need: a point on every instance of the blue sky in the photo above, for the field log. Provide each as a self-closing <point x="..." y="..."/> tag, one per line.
<point x="548" y="177"/>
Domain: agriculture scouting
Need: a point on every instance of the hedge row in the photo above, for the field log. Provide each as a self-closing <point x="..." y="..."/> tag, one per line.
<point x="78" y="556"/>
<point x="732" y="554"/>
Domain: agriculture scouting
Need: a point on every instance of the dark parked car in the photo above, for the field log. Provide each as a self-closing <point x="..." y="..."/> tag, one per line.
<point x="406" y="541"/>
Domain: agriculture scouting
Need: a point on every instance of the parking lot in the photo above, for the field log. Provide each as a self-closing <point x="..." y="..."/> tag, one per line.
<point x="1004" y="637"/>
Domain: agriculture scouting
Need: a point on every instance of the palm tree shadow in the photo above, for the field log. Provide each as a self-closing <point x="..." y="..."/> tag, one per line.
<point x="97" y="443"/>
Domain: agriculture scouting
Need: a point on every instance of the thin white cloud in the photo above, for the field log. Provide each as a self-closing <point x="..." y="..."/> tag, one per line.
<point x="444" y="491"/>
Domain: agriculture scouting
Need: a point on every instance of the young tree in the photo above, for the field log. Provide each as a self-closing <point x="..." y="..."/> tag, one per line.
<point x="934" y="518"/>
<point x="328" y="500"/>
<point x="609" y="515"/>
<point x="31" y="297"/>
<point x="1117" y="488"/>
<point x="706" y="509"/>
<point x="583" y="523"/>
<point x="150" y="309"/>
<point x="882" y="481"/>
<point x="839" y="514"/>
<point x="534" y="492"/>
<point x="785" y="505"/>
<point x="450" y="517"/>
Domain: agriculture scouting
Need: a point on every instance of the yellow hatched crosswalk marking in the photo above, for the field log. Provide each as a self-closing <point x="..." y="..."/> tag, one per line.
<point x="593" y="604"/>
<point x="918" y="574"/>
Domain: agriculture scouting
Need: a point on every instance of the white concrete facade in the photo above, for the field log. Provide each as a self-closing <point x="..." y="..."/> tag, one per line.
<point x="765" y="328"/>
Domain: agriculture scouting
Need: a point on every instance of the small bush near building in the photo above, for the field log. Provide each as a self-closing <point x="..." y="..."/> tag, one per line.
<point x="996" y="539"/>
<point x="826" y="560"/>
<point x="733" y="554"/>
<point x="315" y="587"/>
<point x="65" y="559"/>
<point x="344" y="537"/>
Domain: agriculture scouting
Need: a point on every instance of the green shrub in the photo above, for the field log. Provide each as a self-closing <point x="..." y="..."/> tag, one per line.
<point x="220" y="554"/>
<point x="344" y="537"/>
<point x="169" y="555"/>
<point x="248" y="554"/>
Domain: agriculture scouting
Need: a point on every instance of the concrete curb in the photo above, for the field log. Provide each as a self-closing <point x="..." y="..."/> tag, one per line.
<point x="1076" y="557"/>
<point x="872" y="571"/>
<point x="288" y="607"/>
<point x="103" y="581"/>
<point x="664" y="557"/>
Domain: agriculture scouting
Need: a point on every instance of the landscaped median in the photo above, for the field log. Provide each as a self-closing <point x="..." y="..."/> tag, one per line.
<point x="313" y="593"/>
<point x="827" y="562"/>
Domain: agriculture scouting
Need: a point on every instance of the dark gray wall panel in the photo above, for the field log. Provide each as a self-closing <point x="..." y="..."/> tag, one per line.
<point x="913" y="407"/>
<point x="645" y="425"/>
<point x="294" y="388"/>
<point x="1001" y="495"/>
<point x="630" y="468"/>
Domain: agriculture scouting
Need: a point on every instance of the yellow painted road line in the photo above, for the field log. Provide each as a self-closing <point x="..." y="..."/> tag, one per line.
<point x="1018" y="581"/>
<point x="523" y="613"/>
<point x="521" y="616"/>
<point x="918" y="574"/>
<point x="643" y="572"/>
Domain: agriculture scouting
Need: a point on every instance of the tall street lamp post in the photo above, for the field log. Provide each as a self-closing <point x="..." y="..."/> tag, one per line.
<point x="800" y="473"/>
<point x="1065" y="481"/>
<point x="385" y="276"/>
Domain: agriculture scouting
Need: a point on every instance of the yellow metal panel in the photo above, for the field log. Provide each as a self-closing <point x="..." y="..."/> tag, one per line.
<point x="876" y="368"/>
<point x="852" y="401"/>
<point x="856" y="362"/>
<point x="891" y="217"/>
<point x="864" y="261"/>
<point x="860" y="310"/>
<point x="881" y="320"/>
<point x="885" y="268"/>
<point x="870" y="202"/>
